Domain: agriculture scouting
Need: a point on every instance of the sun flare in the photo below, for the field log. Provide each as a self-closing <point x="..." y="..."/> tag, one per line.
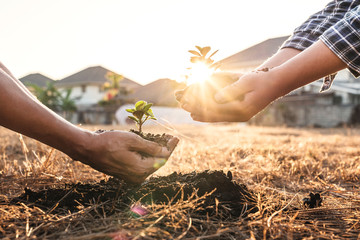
<point x="199" y="72"/>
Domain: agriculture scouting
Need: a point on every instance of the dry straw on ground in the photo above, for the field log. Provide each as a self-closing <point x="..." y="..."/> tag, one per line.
<point x="281" y="166"/>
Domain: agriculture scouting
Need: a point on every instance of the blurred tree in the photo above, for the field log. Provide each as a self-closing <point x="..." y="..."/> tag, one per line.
<point x="48" y="95"/>
<point x="115" y="93"/>
<point x="54" y="100"/>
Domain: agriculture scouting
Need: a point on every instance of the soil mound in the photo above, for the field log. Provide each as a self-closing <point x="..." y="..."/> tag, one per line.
<point x="228" y="199"/>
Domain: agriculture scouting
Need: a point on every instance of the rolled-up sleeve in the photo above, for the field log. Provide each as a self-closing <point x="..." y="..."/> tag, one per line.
<point x="311" y="30"/>
<point x="344" y="40"/>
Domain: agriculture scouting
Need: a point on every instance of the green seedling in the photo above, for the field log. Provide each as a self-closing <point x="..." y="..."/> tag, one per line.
<point x="200" y="57"/>
<point x="141" y="113"/>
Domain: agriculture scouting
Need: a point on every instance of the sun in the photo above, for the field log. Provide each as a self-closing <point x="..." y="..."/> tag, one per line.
<point x="199" y="72"/>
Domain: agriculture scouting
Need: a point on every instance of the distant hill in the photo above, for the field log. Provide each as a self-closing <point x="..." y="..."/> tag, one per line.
<point x="35" y="79"/>
<point x="160" y="92"/>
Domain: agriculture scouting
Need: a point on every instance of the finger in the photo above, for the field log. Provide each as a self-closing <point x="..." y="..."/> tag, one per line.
<point x="232" y="92"/>
<point x="235" y="111"/>
<point x="155" y="149"/>
<point x="179" y="94"/>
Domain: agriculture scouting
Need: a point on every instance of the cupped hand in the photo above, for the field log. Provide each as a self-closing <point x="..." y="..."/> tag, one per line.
<point x="126" y="155"/>
<point x="237" y="102"/>
<point x="208" y="88"/>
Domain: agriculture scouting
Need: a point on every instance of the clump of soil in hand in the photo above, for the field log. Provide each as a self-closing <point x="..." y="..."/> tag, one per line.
<point x="161" y="139"/>
<point x="227" y="200"/>
<point x="313" y="201"/>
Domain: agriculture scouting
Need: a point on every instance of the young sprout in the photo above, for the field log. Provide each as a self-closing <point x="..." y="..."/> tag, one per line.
<point x="141" y="113"/>
<point x="202" y="67"/>
<point x="200" y="57"/>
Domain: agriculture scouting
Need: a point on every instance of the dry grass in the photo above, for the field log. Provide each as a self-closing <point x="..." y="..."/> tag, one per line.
<point x="280" y="165"/>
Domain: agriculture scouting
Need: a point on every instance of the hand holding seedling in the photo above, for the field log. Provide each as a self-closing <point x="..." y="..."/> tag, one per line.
<point x="115" y="153"/>
<point x="118" y="154"/>
<point x="287" y="70"/>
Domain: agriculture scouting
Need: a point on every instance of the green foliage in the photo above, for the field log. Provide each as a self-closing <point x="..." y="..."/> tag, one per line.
<point x="200" y="56"/>
<point x="53" y="99"/>
<point x="141" y="113"/>
<point x="49" y="96"/>
<point x="115" y="94"/>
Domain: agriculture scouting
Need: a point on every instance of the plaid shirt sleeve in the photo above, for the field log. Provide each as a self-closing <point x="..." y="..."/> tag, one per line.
<point x="310" y="31"/>
<point x="338" y="26"/>
<point x="344" y="40"/>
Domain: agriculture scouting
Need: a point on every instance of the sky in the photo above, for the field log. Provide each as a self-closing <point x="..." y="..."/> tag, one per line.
<point x="144" y="40"/>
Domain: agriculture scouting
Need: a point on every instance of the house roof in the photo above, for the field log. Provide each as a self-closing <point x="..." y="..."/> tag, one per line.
<point x="35" y="79"/>
<point x="160" y="92"/>
<point x="252" y="56"/>
<point x="92" y="75"/>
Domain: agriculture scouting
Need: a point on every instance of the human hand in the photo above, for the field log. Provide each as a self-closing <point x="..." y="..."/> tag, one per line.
<point x="118" y="154"/>
<point x="237" y="102"/>
<point x="208" y="88"/>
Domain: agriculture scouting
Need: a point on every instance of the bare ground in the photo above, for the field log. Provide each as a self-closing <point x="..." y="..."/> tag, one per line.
<point x="280" y="166"/>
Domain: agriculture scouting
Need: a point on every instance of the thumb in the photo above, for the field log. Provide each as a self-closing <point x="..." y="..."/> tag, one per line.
<point x="156" y="150"/>
<point x="226" y="94"/>
<point x="232" y="92"/>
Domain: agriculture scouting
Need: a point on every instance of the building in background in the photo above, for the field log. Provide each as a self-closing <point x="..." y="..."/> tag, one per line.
<point x="88" y="86"/>
<point x="36" y="79"/>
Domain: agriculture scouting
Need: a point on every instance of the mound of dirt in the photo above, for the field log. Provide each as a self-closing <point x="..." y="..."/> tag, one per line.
<point x="227" y="197"/>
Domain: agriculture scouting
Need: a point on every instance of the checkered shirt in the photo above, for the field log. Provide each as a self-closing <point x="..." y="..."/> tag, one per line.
<point x="338" y="26"/>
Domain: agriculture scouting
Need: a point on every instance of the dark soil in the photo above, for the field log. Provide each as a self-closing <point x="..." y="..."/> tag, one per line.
<point x="228" y="199"/>
<point x="313" y="201"/>
<point x="162" y="139"/>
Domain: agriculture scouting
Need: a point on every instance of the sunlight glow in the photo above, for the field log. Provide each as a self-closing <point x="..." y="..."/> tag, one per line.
<point x="199" y="73"/>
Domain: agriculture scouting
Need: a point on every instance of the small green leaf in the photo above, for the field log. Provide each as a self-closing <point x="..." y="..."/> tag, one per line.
<point x="153" y="118"/>
<point x="140" y="105"/>
<point x="138" y="114"/>
<point x="134" y="119"/>
<point x="147" y="107"/>
<point x="195" y="53"/>
<point x="150" y="113"/>
<point x="130" y="110"/>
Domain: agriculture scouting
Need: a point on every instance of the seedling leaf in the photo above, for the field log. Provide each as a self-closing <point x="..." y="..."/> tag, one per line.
<point x="150" y="113"/>
<point x="205" y="51"/>
<point x="133" y="118"/>
<point x="195" y="53"/>
<point x="213" y="53"/>
<point x="147" y="107"/>
<point x="140" y="105"/>
<point x="199" y="48"/>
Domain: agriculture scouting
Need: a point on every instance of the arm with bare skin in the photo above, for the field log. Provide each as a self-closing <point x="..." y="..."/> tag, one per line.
<point x="115" y="153"/>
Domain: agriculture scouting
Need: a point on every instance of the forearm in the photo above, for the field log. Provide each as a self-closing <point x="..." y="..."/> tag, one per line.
<point x="7" y="71"/>
<point x="20" y="112"/>
<point x="310" y="65"/>
<point x="279" y="58"/>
